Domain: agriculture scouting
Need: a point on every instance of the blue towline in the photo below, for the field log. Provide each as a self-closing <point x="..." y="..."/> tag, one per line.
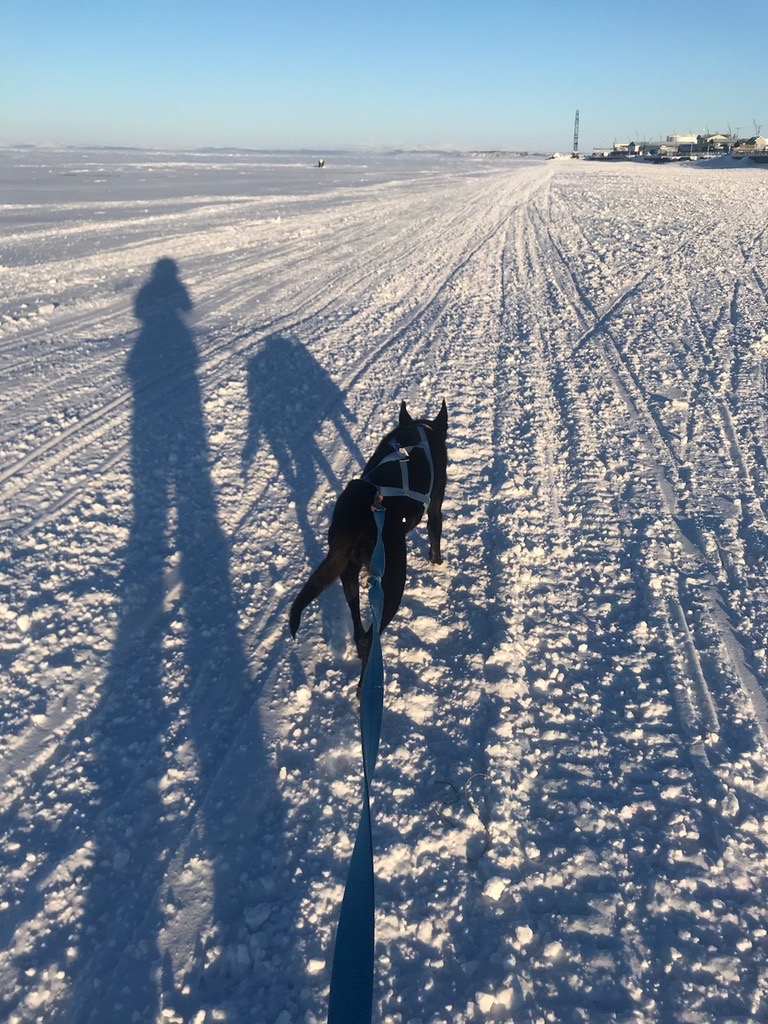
<point x="351" y="997"/>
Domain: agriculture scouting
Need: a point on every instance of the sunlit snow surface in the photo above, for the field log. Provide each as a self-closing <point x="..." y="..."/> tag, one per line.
<point x="571" y="800"/>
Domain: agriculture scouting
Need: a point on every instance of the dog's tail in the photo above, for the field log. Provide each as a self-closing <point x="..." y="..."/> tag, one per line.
<point x="343" y="536"/>
<point x="329" y="570"/>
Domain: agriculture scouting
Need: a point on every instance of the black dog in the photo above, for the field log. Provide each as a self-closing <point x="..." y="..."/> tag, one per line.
<point x="409" y="470"/>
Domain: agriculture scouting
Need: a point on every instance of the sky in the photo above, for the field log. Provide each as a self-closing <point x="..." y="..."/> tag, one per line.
<point x="468" y="74"/>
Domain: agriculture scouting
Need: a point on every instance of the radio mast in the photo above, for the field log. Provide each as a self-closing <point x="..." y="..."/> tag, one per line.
<point x="575" y="153"/>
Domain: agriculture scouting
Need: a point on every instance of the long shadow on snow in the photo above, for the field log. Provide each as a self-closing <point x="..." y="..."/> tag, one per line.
<point x="290" y="397"/>
<point x="177" y="694"/>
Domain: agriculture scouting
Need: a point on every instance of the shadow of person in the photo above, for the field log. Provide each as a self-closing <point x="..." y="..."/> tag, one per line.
<point x="176" y="696"/>
<point x="290" y="397"/>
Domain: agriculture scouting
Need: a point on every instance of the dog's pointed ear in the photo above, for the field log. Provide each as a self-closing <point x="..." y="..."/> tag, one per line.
<point x="405" y="416"/>
<point x="440" y="422"/>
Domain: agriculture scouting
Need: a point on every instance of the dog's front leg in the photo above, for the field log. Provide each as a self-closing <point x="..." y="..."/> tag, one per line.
<point x="435" y="532"/>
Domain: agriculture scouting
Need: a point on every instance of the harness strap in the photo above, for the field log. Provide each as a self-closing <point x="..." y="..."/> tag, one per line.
<point x="402" y="454"/>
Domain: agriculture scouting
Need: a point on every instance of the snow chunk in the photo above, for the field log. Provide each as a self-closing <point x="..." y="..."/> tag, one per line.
<point x="303" y="696"/>
<point x="553" y="950"/>
<point x="256" y="916"/>
<point x="484" y="1001"/>
<point x="494" y="888"/>
<point x="121" y="859"/>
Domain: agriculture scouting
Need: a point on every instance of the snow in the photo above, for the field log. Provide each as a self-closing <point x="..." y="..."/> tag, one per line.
<point x="571" y="800"/>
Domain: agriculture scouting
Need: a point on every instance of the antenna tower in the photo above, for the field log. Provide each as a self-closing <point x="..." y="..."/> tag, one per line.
<point x="575" y="153"/>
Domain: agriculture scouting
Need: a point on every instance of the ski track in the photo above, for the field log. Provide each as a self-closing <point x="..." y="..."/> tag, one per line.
<point x="571" y="800"/>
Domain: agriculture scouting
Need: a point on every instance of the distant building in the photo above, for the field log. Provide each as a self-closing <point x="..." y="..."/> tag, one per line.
<point x="757" y="144"/>
<point x="683" y="147"/>
<point x="717" y="144"/>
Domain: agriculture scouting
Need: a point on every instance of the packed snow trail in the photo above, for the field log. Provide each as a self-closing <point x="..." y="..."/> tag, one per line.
<point x="571" y="800"/>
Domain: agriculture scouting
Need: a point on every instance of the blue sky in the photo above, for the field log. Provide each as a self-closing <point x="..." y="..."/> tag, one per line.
<point x="295" y="73"/>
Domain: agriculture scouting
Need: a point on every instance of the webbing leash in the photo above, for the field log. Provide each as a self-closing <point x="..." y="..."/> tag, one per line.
<point x="351" y="998"/>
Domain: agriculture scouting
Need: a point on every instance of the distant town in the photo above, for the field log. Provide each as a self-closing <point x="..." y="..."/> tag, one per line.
<point x="685" y="147"/>
<point x="674" y="147"/>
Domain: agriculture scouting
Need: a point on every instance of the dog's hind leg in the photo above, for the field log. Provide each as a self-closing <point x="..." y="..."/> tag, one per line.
<point x="350" y="581"/>
<point x="392" y="585"/>
<point x="393" y="581"/>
